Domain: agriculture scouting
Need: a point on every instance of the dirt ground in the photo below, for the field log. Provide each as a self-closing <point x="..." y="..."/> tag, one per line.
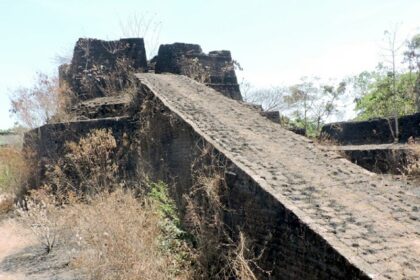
<point x="22" y="255"/>
<point x="13" y="238"/>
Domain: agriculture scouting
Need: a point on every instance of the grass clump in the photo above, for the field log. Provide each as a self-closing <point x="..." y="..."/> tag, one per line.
<point x="14" y="172"/>
<point x="120" y="236"/>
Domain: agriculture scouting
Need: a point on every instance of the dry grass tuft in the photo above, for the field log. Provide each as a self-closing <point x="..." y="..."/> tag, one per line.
<point x="6" y="203"/>
<point x="120" y="237"/>
<point x="14" y="172"/>
<point x="221" y="253"/>
<point x="88" y="166"/>
<point x="413" y="165"/>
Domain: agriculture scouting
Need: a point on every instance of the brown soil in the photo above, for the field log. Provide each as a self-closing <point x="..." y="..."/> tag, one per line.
<point x="13" y="238"/>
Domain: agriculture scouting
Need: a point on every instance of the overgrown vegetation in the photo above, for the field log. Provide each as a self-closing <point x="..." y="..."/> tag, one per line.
<point x="222" y="252"/>
<point x="117" y="231"/>
<point x="14" y="171"/>
<point x="124" y="237"/>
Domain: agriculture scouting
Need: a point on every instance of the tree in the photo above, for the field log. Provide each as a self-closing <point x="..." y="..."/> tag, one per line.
<point x="313" y="102"/>
<point x="391" y="89"/>
<point x="269" y="98"/>
<point x="326" y="103"/>
<point x="412" y="57"/>
<point x="301" y="99"/>
<point x="37" y="105"/>
<point x="391" y="53"/>
<point x="375" y="97"/>
<point x="143" y="26"/>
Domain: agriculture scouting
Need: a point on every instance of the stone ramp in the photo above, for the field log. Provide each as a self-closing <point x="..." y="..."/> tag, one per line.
<point x="372" y="222"/>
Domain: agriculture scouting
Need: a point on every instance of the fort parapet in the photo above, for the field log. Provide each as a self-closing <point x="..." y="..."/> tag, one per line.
<point x="309" y="213"/>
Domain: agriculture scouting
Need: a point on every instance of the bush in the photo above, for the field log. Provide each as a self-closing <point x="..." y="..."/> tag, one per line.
<point x="44" y="101"/>
<point x="87" y="167"/>
<point x="121" y="237"/>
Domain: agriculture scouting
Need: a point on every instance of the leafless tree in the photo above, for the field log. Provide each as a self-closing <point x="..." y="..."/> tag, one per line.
<point x="36" y="105"/>
<point x="269" y="98"/>
<point x="143" y="26"/>
<point x="391" y="52"/>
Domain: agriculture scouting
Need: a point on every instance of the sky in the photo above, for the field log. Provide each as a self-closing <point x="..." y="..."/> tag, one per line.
<point x="275" y="41"/>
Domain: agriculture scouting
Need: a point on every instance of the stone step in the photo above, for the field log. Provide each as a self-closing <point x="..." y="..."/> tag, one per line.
<point x="101" y="107"/>
<point x="382" y="158"/>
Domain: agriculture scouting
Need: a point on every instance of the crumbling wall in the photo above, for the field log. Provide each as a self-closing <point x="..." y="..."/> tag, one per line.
<point x="380" y="160"/>
<point x="216" y="69"/>
<point x="169" y="150"/>
<point x="47" y="143"/>
<point x="101" y="68"/>
<point x="157" y="142"/>
<point x="162" y="146"/>
<point x="376" y="131"/>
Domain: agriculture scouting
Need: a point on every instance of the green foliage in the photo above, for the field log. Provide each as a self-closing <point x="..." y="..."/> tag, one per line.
<point x="310" y="126"/>
<point x="174" y="238"/>
<point x="376" y="97"/>
<point x="390" y="90"/>
<point x="166" y="206"/>
<point x="313" y="102"/>
<point x="5" y="131"/>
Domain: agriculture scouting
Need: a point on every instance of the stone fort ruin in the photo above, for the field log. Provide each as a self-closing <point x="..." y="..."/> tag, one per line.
<point x="310" y="213"/>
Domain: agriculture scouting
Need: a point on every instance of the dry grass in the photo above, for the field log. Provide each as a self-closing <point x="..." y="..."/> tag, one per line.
<point x="120" y="237"/>
<point x="117" y="233"/>
<point x="114" y="234"/>
<point x="218" y="254"/>
<point x="6" y="203"/>
<point x="240" y="262"/>
<point x="13" y="169"/>
<point x="14" y="172"/>
<point x="413" y="165"/>
<point x="88" y="166"/>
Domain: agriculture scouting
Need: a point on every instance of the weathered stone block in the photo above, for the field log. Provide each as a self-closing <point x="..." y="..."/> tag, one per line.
<point x="215" y="69"/>
<point x="100" y="68"/>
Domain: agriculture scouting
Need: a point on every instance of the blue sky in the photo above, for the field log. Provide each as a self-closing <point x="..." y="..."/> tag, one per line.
<point x="276" y="41"/>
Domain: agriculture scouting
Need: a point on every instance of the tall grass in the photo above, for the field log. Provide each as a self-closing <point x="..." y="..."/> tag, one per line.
<point x="13" y="175"/>
<point x="121" y="237"/>
<point x="13" y="169"/>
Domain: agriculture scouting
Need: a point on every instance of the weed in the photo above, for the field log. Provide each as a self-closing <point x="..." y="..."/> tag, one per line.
<point x="42" y="217"/>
